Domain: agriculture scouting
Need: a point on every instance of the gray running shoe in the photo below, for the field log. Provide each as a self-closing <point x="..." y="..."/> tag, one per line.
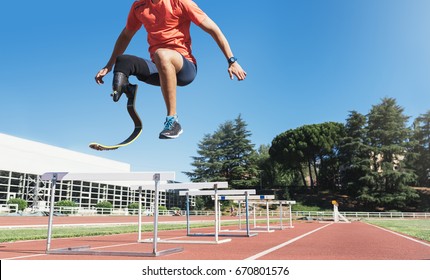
<point x="172" y="129"/>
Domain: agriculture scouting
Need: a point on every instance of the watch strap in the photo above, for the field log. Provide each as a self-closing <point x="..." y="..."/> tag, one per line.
<point x="231" y="60"/>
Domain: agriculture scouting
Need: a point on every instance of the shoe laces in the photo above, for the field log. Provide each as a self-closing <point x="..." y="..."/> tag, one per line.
<point x="168" y="124"/>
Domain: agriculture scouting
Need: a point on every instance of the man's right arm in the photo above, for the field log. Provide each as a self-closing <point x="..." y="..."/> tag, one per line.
<point x="212" y="28"/>
<point x="121" y="45"/>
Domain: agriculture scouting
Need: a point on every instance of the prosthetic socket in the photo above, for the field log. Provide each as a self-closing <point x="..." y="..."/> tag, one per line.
<point x="121" y="85"/>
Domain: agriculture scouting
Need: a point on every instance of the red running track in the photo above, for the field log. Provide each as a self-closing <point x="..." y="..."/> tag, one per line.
<point x="306" y="241"/>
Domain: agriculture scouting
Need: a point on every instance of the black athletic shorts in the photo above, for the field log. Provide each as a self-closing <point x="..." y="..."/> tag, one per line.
<point x="146" y="71"/>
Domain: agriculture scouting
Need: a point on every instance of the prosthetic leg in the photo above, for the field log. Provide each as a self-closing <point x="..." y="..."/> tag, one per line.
<point x="121" y="85"/>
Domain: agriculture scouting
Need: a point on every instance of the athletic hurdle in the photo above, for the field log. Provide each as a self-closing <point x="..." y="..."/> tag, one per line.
<point x="251" y="202"/>
<point x="216" y="193"/>
<point x="195" y="187"/>
<point x="147" y="178"/>
<point x="267" y="201"/>
<point x="268" y="228"/>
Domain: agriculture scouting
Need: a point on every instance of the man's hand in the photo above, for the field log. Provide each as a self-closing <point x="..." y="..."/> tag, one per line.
<point x="121" y="44"/>
<point x="236" y="70"/>
<point x="101" y="74"/>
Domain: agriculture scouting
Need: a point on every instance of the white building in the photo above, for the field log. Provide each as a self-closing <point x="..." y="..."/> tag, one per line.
<point x="23" y="161"/>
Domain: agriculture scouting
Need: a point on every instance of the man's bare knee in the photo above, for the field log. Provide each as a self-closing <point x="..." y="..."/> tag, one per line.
<point x="162" y="56"/>
<point x="165" y="58"/>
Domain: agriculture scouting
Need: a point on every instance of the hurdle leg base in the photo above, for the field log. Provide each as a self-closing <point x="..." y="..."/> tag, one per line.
<point x="188" y="241"/>
<point x="85" y="250"/>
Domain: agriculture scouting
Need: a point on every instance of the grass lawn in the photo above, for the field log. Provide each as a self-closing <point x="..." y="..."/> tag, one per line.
<point x="10" y="235"/>
<point x="416" y="228"/>
<point x="16" y="234"/>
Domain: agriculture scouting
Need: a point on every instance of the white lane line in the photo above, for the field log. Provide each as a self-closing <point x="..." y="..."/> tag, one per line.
<point x="401" y="235"/>
<point x="268" y="251"/>
<point x="23" y="257"/>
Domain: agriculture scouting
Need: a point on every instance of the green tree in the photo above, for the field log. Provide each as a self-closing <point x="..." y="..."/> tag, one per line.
<point x="330" y="135"/>
<point x="309" y="150"/>
<point x="386" y="184"/>
<point x="287" y="150"/>
<point x="199" y="203"/>
<point x="354" y="153"/>
<point x="272" y="174"/>
<point x="226" y="155"/>
<point x="420" y="151"/>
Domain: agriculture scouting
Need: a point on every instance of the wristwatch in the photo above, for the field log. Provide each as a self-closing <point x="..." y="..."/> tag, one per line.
<point x="231" y="60"/>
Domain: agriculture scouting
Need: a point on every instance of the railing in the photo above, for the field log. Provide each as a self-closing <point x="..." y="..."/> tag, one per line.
<point x="261" y="213"/>
<point x="317" y="215"/>
<point x="363" y="215"/>
<point x="8" y="208"/>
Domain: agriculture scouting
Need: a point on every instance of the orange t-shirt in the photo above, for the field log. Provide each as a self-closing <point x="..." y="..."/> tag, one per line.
<point x="167" y="24"/>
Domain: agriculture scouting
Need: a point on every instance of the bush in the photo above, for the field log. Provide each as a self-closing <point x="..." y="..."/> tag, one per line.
<point x="132" y="207"/>
<point x="22" y="204"/>
<point x="301" y="207"/>
<point x="273" y="207"/>
<point x="105" y="207"/>
<point x="65" y="203"/>
<point x="227" y="204"/>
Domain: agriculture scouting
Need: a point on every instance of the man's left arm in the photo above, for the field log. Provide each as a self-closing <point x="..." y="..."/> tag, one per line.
<point x="234" y="69"/>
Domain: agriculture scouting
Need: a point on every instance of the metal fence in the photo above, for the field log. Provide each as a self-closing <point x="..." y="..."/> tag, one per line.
<point x="308" y="215"/>
<point x="363" y="215"/>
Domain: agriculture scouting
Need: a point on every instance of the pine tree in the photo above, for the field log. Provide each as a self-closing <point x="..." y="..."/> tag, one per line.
<point x="420" y="159"/>
<point x="226" y="155"/>
<point x="354" y="154"/>
<point x="386" y="184"/>
<point x="330" y="135"/>
<point x="309" y="150"/>
<point x="272" y="175"/>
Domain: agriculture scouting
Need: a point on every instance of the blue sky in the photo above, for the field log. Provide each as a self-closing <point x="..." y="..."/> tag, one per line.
<point x="308" y="61"/>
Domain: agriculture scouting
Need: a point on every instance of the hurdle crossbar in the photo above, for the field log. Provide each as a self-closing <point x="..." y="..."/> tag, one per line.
<point x="251" y="198"/>
<point x="182" y="186"/>
<point x="110" y="177"/>
<point x="217" y="192"/>
<point x="54" y="177"/>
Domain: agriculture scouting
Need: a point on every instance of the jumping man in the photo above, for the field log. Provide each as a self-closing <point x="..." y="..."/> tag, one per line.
<point x="171" y="63"/>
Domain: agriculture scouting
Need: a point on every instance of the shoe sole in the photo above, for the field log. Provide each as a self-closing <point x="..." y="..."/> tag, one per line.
<point x="162" y="136"/>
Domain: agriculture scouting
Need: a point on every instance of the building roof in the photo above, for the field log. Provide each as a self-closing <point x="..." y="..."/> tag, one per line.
<point x="21" y="155"/>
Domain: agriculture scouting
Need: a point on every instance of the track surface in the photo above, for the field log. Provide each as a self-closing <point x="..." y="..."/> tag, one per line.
<point x="306" y="241"/>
